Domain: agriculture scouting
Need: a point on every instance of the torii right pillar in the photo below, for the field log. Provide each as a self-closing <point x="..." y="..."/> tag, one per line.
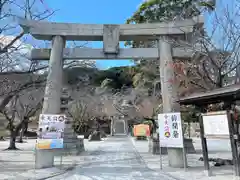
<point x="169" y="94"/>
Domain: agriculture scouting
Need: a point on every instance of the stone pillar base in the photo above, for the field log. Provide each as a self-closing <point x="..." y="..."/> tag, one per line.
<point x="175" y="157"/>
<point x="44" y="159"/>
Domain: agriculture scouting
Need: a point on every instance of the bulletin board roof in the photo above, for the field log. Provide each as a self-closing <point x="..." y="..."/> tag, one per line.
<point x="225" y="94"/>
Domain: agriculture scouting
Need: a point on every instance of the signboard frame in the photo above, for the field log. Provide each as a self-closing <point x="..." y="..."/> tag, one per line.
<point x="171" y="125"/>
<point x="173" y="120"/>
<point x="50" y="131"/>
<point x="218" y="127"/>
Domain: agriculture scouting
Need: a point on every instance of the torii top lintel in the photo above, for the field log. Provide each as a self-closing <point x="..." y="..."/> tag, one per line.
<point x="43" y="30"/>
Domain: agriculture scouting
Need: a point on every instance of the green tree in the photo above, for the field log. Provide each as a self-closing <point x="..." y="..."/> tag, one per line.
<point x="114" y="78"/>
<point x="153" y="11"/>
<point x="165" y="10"/>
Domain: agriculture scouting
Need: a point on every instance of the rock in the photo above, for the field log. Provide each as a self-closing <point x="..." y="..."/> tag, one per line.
<point x="222" y="162"/>
<point x="95" y="136"/>
<point x="87" y="134"/>
<point x="2" y="138"/>
<point x="30" y="134"/>
<point x="219" y="161"/>
<point x="103" y="134"/>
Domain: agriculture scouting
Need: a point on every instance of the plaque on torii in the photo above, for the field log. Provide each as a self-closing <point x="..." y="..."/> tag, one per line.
<point x="111" y="35"/>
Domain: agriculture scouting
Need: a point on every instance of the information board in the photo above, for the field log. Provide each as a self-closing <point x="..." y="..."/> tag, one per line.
<point x="216" y="124"/>
<point x="170" y="130"/>
<point x="50" y="131"/>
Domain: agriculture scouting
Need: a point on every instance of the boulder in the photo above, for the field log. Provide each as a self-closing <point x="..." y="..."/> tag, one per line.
<point x="103" y="134"/>
<point x="87" y="134"/>
<point x="2" y="138"/>
<point x="218" y="161"/>
<point x="95" y="136"/>
<point x="30" y="134"/>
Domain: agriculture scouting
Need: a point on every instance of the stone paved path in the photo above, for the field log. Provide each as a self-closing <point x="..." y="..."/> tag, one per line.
<point x="116" y="159"/>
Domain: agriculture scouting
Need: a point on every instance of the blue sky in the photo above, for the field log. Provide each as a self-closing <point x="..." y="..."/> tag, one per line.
<point x="95" y="12"/>
<point x="106" y="12"/>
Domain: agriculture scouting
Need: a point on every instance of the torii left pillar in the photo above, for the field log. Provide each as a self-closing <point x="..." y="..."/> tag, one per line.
<point x="52" y="97"/>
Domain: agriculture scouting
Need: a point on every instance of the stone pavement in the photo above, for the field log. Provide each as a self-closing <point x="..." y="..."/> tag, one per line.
<point x="116" y="159"/>
<point x="20" y="164"/>
<point x="195" y="171"/>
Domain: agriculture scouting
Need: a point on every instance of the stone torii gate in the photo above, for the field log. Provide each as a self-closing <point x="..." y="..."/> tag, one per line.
<point x="110" y="34"/>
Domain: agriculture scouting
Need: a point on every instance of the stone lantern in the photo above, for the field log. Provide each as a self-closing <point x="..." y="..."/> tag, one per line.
<point x="72" y="145"/>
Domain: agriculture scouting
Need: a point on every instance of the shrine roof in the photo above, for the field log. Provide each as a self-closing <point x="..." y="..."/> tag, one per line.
<point x="225" y="94"/>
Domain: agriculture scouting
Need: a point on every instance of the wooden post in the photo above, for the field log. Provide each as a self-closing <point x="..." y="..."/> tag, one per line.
<point x="112" y="125"/>
<point x="52" y="97"/>
<point x="233" y="140"/>
<point x="204" y="144"/>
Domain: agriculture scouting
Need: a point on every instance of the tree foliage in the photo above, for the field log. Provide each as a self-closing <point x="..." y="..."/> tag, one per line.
<point x="166" y="10"/>
<point x="16" y="70"/>
<point x="155" y="11"/>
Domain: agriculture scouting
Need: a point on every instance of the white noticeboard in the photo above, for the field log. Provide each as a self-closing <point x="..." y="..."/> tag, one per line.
<point x="170" y="130"/>
<point x="215" y="124"/>
<point x="50" y="131"/>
